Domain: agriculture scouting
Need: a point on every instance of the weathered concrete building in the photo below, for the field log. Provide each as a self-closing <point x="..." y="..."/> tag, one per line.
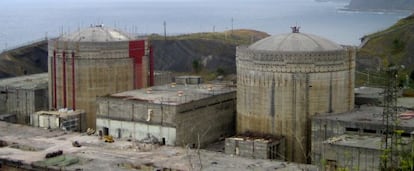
<point x="284" y="80"/>
<point x="174" y="114"/>
<point x="24" y="95"/>
<point x="64" y="119"/>
<point x="263" y="147"/>
<point x="354" y="139"/>
<point x="93" y="62"/>
<point x="162" y="77"/>
<point x="369" y="95"/>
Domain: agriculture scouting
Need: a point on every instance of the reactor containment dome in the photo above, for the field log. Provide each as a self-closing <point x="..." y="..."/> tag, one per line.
<point x="93" y="62"/>
<point x="284" y="80"/>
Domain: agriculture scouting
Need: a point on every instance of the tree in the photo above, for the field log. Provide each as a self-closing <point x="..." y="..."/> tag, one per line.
<point x="196" y="66"/>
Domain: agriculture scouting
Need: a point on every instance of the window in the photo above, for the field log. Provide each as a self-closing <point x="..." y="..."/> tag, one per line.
<point x="351" y="129"/>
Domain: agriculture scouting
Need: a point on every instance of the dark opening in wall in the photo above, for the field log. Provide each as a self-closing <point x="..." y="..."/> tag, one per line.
<point x="371" y="131"/>
<point x="352" y="129"/>
<point x="405" y="134"/>
<point x="105" y="131"/>
<point x="3" y="92"/>
<point x="3" y="143"/>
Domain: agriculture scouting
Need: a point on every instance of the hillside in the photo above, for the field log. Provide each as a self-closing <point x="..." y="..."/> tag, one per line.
<point x="394" y="45"/>
<point x="175" y="53"/>
<point x="381" y="5"/>
<point x="29" y="59"/>
<point x="213" y="50"/>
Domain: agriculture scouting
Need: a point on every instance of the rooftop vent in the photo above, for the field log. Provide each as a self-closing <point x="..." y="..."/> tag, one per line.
<point x="295" y="29"/>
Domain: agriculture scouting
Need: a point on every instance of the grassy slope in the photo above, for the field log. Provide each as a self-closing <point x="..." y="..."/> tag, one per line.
<point x="214" y="50"/>
<point x="237" y="37"/>
<point x="394" y="45"/>
<point x="28" y="59"/>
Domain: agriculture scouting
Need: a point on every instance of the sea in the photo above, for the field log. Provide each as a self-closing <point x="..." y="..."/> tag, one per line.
<point x="25" y="21"/>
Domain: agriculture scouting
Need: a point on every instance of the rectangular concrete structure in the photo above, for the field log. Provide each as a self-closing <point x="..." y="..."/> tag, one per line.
<point x="174" y="114"/>
<point x="162" y="77"/>
<point x="358" y="152"/>
<point x="366" y="122"/>
<point x="24" y="95"/>
<point x="255" y="147"/>
<point x="64" y="119"/>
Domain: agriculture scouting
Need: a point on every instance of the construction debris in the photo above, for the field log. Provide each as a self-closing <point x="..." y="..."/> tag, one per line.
<point x="90" y="131"/>
<point x="54" y="154"/>
<point x="76" y="144"/>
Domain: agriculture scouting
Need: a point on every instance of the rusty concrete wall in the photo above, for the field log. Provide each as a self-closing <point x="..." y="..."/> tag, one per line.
<point x="209" y="119"/>
<point x="101" y="68"/>
<point x="277" y="93"/>
<point x="135" y="111"/>
<point x="206" y="120"/>
<point x="254" y="148"/>
<point x="24" y="102"/>
<point x="362" y="159"/>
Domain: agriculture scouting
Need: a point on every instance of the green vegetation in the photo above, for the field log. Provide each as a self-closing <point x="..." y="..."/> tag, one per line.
<point x="206" y="54"/>
<point x="238" y="37"/>
<point x="59" y="161"/>
<point x="394" y="45"/>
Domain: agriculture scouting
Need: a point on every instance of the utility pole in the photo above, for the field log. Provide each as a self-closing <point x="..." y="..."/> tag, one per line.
<point x="165" y="30"/>
<point x="390" y="118"/>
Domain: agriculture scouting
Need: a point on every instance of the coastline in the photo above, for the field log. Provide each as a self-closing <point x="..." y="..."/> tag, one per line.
<point x="368" y="10"/>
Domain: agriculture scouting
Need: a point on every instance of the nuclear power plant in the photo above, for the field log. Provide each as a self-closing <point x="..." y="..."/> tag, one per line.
<point x="284" y="80"/>
<point x="292" y="105"/>
<point x="96" y="61"/>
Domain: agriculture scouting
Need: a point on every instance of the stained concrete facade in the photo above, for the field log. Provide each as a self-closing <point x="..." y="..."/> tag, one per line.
<point x="356" y="152"/>
<point x="256" y="147"/>
<point x="162" y="77"/>
<point x="284" y="80"/>
<point x="93" y="62"/>
<point x="173" y="114"/>
<point x="24" y="95"/>
<point x="64" y="119"/>
<point x="352" y="138"/>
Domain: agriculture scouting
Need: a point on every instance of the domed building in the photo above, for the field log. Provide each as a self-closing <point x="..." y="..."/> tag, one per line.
<point x="92" y="62"/>
<point x="284" y="80"/>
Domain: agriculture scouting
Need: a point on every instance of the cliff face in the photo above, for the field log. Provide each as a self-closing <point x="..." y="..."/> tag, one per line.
<point x="381" y="5"/>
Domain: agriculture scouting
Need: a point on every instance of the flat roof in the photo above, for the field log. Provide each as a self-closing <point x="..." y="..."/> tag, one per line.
<point x="34" y="81"/>
<point x="360" y="141"/>
<point x="368" y="115"/>
<point x="175" y="94"/>
<point x="95" y="154"/>
<point x="61" y="112"/>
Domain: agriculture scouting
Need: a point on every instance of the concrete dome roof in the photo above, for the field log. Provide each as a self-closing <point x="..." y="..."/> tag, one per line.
<point x="97" y="33"/>
<point x="295" y="42"/>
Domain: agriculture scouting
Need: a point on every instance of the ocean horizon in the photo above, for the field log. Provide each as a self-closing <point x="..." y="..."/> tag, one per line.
<point x="24" y="21"/>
